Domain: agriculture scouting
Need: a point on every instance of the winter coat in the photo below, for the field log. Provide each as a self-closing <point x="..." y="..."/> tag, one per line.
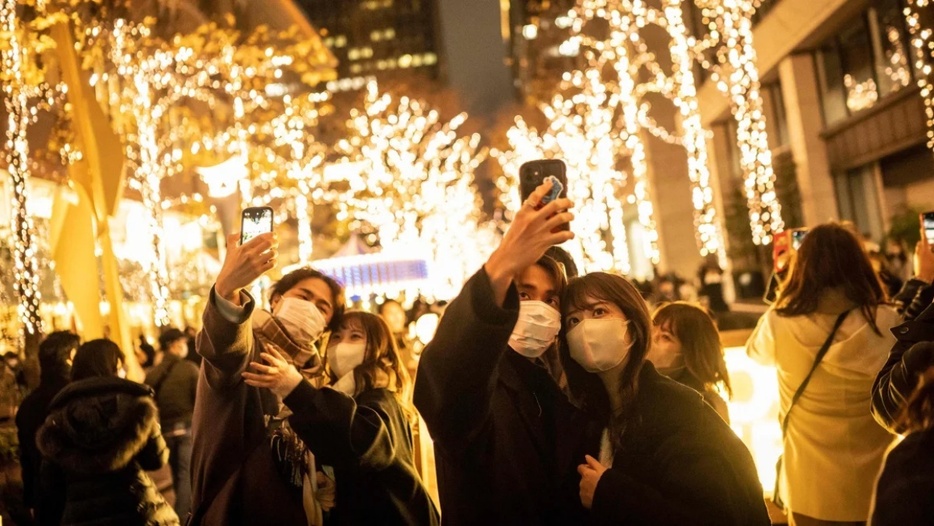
<point x="905" y="489"/>
<point x="234" y="476"/>
<point x="175" y="381"/>
<point x="678" y="463"/>
<point x="100" y="436"/>
<point x="507" y="441"/>
<point x="912" y="353"/>
<point x="29" y="418"/>
<point x="833" y="448"/>
<point x="368" y="442"/>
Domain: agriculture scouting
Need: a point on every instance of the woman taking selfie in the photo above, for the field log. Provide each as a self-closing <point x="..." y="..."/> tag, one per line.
<point x="360" y="425"/>
<point x="665" y="457"/>
<point x="686" y="348"/>
<point x="827" y="334"/>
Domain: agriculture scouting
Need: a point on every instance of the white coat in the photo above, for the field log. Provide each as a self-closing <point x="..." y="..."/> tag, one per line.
<point x="833" y="448"/>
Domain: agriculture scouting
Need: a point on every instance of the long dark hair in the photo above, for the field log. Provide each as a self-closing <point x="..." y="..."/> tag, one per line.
<point x="95" y="358"/>
<point x="297" y="276"/>
<point x="54" y="355"/>
<point x="382" y="356"/>
<point x="586" y="387"/>
<point x="700" y="341"/>
<point x="830" y="256"/>
<point x="918" y="413"/>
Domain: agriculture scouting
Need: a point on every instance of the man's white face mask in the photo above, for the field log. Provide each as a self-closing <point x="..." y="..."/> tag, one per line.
<point x="301" y="319"/>
<point x="536" y="328"/>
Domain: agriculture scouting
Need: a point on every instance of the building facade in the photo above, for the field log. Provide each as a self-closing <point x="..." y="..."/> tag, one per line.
<point x="844" y="113"/>
<point x="381" y="39"/>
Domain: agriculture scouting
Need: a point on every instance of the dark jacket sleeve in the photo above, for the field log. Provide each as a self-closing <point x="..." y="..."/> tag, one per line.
<point x="343" y="431"/>
<point x="225" y="346"/>
<point x="909" y="357"/>
<point x="705" y="493"/>
<point x="456" y="373"/>
<point x="914" y="297"/>
<point x="155" y="453"/>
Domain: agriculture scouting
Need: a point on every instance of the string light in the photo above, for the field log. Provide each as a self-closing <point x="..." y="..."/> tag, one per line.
<point x="16" y="100"/>
<point x="735" y="72"/>
<point x="922" y="47"/>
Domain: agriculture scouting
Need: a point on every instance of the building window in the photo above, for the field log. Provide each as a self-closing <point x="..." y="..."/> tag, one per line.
<point x="858" y="200"/>
<point x="865" y="62"/>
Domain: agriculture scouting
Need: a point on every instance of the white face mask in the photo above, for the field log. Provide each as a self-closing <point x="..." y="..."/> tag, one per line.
<point x="536" y="328"/>
<point x="345" y="357"/>
<point x="301" y="319"/>
<point x="599" y="344"/>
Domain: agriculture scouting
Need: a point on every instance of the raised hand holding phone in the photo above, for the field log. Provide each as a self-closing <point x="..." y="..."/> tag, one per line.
<point x="534" y="229"/>
<point x="245" y="263"/>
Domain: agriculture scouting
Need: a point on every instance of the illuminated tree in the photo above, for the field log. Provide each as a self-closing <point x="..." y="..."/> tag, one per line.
<point x="409" y="175"/>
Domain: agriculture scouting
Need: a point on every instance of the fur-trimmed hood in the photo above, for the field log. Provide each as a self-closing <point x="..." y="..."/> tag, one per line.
<point x="98" y="425"/>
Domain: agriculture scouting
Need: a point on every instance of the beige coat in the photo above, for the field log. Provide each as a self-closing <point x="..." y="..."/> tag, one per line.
<point x="833" y="447"/>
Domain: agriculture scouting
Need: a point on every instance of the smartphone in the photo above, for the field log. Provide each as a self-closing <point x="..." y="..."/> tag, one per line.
<point x="533" y="173"/>
<point x="797" y="236"/>
<point x="927" y="223"/>
<point x="254" y="221"/>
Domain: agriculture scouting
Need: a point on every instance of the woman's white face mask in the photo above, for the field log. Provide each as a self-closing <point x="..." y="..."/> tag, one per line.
<point x="344" y="357"/>
<point x="599" y="344"/>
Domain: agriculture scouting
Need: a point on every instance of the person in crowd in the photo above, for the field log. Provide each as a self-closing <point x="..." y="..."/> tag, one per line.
<point x="192" y="334"/>
<point x="913" y="352"/>
<point x="146" y="356"/>
<point x="360" y="425"/>
<point x="906" y="484"/>
<point x="506" y="437"/>
<point x="896" y="259"/>
<point x="710" y="278"/>
<point x="831" y="300"/>
<point x="686" y="348"/>
<point x="664" y="457"/>
<point x="101" y="433"/>
<point x="395" y="316"/>
<point x="175" y="382"/>
<point x="56" y="353"/>
<point x="248" y="465"/>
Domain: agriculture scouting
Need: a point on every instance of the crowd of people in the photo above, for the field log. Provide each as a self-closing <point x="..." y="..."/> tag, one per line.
<point x="550" y="397"/>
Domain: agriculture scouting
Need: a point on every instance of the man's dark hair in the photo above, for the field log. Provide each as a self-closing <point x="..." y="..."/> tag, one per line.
<point x="170" y="336"/>
<point x="55" y="353"/>
<point x="297" y="276"/>
<point x="561" y="256"/>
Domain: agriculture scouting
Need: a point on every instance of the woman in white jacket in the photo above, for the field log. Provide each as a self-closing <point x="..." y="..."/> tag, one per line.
<point x="833" y="448"/>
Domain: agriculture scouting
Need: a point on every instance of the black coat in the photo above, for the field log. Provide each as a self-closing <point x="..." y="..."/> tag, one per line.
<point x="909" y="357"/>
<point x="905" y="489"/>
<point x="679" y="463"/>
<point x="507" y="441"/>
<point x="29" y="418"/>
<point x="100" y="436"/>
<point x="368" y="442"/>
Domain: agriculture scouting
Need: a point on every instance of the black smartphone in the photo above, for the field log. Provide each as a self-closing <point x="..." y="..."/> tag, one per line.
<point x="533" y="173"/>
<point x="254" y="221"/>
<point x="927" y="224"/>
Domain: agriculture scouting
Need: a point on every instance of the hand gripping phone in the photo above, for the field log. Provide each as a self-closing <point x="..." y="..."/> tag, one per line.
<point x="533" y="173"/>
<point x="927" y="224"/>
<point x="254" y="221"/>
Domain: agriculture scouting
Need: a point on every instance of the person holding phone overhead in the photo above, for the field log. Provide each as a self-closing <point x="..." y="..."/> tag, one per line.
<point x="506" y="438"/>
<point x="248" y="465"/>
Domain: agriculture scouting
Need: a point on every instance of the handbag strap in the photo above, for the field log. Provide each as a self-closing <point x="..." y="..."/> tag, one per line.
<point x="820" y="356"/>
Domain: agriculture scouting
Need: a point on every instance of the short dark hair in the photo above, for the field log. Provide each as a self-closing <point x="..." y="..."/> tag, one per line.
<point x="170" y="336"/>
<point x="55" y="354"/>
<point x="297" y="276"/>
<point x="95" y="358"/>
<point x="562" y="256"/>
